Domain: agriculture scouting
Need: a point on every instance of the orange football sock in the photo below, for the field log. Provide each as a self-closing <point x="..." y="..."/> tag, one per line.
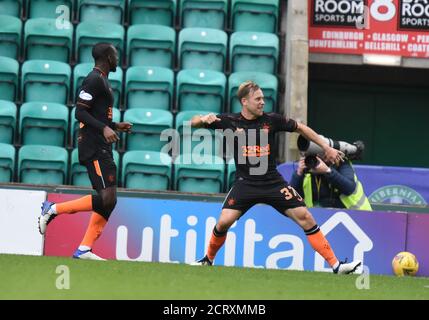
<point x="81" y="204"/>
<point x="216" y="242"/>
<point x="94" y="230"/>
<point x="321" y="245"/>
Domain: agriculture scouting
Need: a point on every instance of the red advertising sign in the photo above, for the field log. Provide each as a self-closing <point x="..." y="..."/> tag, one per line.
<point x="388" y="27"/>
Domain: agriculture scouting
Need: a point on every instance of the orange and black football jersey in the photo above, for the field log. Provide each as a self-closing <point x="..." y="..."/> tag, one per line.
<point x="95" y="94"/>
<point x="254" y="143"/>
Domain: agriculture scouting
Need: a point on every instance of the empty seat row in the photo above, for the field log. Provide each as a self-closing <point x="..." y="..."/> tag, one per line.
<point x="48" y="124"/>
<point x="144" y="87"/>
<point x="145" y="45"/>
<point x="41" y="80"/>
<point x="38" y="164"/>
<point x="246" y="15"/>
<point x="39" y="123"/>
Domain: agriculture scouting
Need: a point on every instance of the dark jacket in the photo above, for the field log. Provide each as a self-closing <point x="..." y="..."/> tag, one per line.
<point x="339" y="181"/>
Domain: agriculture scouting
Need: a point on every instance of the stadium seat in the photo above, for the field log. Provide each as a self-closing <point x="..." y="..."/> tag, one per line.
<point x="151" y="45"/>
<point x="42" y="164"/>
<point x="43" y="123"/>
<point x="111" y="11"/>
<point x="9" y="69"/>
<point x="255" y="15"/>
<point x="10" y="36"/>
<point x="90" y="33"/>
<point x="230" y="174"/>
<point x="43" y="40"/>
<point x="74" y="125"/>
<point x="45" y="80"/>
<point x="199" y="174"/>
<point x="203" y="13"/>
<point x="115" y="78"/>
<point x="79" y="173"/>
<point x="149" y="87"/>
<point x="267" y="82"/>
<point x="148" y="170"/>
<point x="201" y="90"/>
<point x="161" y="12"/>
<point x="11" y="7"/>
<point x="48" y="8"/>
<point x="201" y="48"/>
<point x="7" y="162"/>
<point x="148" y="125"/>
<point x="194" y="140"/>
<point x="7" y="121"/>
<point x="254" y="51"/>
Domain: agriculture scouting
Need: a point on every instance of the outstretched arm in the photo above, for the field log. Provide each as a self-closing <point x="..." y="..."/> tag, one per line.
<point x="201" y="121"/>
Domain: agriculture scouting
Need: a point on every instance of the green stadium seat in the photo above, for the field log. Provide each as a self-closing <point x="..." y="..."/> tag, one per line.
<point x="9" y="69"/>
<point x="149" y="87"/>
<point x="7" y="121"/>
<point x="48" y="8"/>
<point x="267" y="82"/>
<point x="74" y="125"/>
<point x="79" y="173"/>
<point x="201" y="90"/>
<point x="230" y="174"/>
<point x="148" y="170"/>
<point x="43" y="40"/>
<point x="7" y="162"/>
<point x="191" y="139"/>
<point x="10" y="36"/>
<point x="11" y="7"/>
<point x="43" y="123"/>
<point x="90" y="33"/>
<point x="204" y="13"/>
<point x="202" y="48"/>
<point x="148" y="124"/>
<point x="111" y="11"/>
<point x="254" y="51"/>
<point x="151" y="45"/>
<point x="45" y="80"/>
<point x="42" y="165"/>
<point x="199" y="174"/>
<point x="162" y="12"/>
<point x="255" y="15"/>
<point x="115" y="78"/>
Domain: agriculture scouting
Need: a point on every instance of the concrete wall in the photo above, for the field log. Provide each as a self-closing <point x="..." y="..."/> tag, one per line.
<point x="296" y="62"/>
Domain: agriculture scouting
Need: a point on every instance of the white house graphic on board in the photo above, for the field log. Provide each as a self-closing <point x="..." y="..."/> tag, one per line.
<point x="364" y="243"/>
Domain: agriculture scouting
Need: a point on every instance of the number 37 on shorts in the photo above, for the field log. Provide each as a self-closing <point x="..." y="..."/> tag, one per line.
<point x="289" y="192"/>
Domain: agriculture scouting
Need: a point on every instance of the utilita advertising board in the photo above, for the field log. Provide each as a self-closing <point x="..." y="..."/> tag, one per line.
<point x="176" y="231"/>
<point x="388" y="27"/>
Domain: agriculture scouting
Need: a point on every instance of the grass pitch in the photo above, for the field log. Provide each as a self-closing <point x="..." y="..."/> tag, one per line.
<point x="29" y="277"/>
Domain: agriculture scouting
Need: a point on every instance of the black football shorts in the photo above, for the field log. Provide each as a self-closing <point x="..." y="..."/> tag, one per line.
<point x="102" y="173"/>
<point x="278" y="194"/>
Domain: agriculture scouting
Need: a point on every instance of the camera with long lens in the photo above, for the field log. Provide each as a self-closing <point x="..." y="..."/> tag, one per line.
<point x="353" y="151"/>
<point x="311" y="161"/>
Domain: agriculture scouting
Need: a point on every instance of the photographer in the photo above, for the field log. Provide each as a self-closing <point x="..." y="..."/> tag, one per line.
<point x="332" y="185"/>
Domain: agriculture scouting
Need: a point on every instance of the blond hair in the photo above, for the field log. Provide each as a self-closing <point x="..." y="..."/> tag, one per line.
<point x="245" y="88"/>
